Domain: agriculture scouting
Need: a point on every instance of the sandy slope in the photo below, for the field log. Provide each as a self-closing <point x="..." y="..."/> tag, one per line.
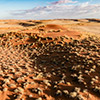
<point x="49" y="60"/>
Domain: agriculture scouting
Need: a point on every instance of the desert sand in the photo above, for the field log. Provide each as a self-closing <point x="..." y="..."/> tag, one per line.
<point x="50" y="59"/>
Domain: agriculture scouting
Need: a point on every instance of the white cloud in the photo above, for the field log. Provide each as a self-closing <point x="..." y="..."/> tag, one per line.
<point x="63" y="1"/>
<point x="84" y="10"/>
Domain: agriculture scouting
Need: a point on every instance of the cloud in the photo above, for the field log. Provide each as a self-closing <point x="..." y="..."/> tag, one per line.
<point x="84" y="10"/>
<point x="63" y="2"/>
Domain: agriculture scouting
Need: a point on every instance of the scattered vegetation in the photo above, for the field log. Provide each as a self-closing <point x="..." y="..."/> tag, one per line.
<point x="49" y="66"/>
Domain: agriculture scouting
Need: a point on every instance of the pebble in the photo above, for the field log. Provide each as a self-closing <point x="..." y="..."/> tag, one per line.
<point x="39" y="98"/>
<point x="73" y="94"/>
<point x="59" y="93"/>
<point x="65" y="92"/>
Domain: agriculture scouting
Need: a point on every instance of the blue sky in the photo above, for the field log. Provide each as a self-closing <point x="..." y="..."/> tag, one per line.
<point x="49" y="9"/>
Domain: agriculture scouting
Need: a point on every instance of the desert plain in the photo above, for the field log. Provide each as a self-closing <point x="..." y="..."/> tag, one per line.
<point x="50" y="59"/>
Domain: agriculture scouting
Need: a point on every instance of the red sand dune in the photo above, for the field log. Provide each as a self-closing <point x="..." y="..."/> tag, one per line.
<point x="48" y="62"/>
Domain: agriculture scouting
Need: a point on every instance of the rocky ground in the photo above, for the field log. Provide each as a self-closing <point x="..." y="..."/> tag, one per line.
<point x="48" y="62"/>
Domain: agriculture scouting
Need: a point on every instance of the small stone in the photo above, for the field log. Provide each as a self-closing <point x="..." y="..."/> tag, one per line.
<point x="39" y="98"/>
<point x="93" y="79"/>
<point x="55" y="86"/>
<point x="19" y="96"/>
<point x="12" y="85"/>
<point x="92" y="82"/>
<point x="6" y="80"/>
<point x="58" y="93"/>
<point x="85" y="90"/>
<point x="96" y="77"/>
<point x="93" y="66"/>
<point x="16" y="90"/>
<point x="5" y="89"/>
<point x="47" y="82"/>
<point x="20" y="79"/>
<point x="80" y="97"/>
<point x="86" y="71"/>
<point x="30" y="95"/>
<point x="20" y="89"/>
<point x="65" y="92"/>
<point x="68" y="83"/>
<point x="62" y="81"/>
<point x="92" y="70"/>
<point x="73" y="94"/>
<point x="77" y="89"/>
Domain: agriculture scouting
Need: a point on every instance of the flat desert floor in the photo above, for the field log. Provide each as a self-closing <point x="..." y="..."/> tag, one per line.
<point x="50" y="59"/>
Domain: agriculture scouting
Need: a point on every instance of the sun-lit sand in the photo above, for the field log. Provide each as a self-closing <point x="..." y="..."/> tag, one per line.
<point x="50" y="59"/>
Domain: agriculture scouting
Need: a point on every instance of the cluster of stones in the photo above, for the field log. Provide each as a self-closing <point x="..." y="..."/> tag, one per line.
<point x="59" y="65"/>
<point x="78" y="58"/>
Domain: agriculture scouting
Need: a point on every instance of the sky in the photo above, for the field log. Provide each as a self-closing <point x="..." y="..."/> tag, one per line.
<point x="49" y="9"/>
